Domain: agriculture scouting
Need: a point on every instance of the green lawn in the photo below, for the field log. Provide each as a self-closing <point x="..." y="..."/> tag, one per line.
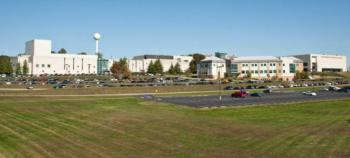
<point x="129" y="127"/>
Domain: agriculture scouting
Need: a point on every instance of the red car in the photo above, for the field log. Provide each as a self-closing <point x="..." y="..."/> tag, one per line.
<point x="240" y="94"/>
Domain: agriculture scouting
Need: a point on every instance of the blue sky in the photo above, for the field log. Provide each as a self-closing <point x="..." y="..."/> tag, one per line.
<point x="132" y="27"/>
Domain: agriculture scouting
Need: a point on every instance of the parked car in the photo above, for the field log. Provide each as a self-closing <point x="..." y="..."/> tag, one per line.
<point x="30" y="87"/>
<point x="310" y="93"/>
<point x="334" y="88"/>
<point x="268" y="90"/>
<point x="240" y="94"/>
<point x="251" y="87"/>
<point x="59" y="86"/>
<point x="345" y="90"/>
<point x="325" y="89"/>
<point x="262" y="87"/>
<point x="256" y="95"/>
<point x="229" y="88"/>
<point x="237" y="88"/>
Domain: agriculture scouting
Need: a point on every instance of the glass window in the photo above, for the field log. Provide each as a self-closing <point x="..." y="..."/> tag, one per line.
<point x="48" y="65"/>
<point x="274" y="71"/>
<point x="261" y="71"/>
<point x="243" y="72"/>
<point x="234" y="68"/>
<point x="292" y="68"/>
<point x="270" y="71"/>
<point x="256" y="71"/>
<point x="42" y="65"/>
<point x="37" y="65"/>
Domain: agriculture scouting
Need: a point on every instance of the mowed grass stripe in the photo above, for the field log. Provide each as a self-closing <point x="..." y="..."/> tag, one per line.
<point x="41" y="127"/>
<point x="135" y="128"/>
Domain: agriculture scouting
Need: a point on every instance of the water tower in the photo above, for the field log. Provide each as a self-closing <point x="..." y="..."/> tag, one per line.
<point x="97" y="37"/>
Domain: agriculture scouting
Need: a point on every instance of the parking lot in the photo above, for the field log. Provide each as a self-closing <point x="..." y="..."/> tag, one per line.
<point x="266" y="99"/>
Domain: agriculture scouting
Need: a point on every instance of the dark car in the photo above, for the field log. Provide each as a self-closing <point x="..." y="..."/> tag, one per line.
<point x="228" y="88"/>
<point x="256" y="95"/>
<point x="59" y="86"/>
<point x="237" y="88"/>
<point x="345" y="90"/>
<point x="240" y="94"/>
<point x="262" y="87"/>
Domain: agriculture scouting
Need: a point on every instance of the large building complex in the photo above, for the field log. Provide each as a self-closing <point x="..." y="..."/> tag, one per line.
<point x="139" y="64"/>
<point x="41" y="61"/>
<point x="323" y="62"/>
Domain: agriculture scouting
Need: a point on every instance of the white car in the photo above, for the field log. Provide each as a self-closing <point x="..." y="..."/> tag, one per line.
<point x="309" y="93"/>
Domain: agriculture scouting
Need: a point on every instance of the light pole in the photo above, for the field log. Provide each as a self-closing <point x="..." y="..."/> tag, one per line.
<point x="219" y="78"/>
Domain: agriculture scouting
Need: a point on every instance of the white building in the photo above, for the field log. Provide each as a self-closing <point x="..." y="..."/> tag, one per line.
<point x="42" y="62"/>
<point x="211" y="67"/>
<point x="266" y="67"/>
<point x="139" y="64"/>
<point x="323" y="62"/>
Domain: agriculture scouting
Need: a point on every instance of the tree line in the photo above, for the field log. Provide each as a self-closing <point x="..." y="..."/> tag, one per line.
<point x="6" y="66"/>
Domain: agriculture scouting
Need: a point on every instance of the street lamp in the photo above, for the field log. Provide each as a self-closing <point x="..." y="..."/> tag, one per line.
<point x="219" y="78"/>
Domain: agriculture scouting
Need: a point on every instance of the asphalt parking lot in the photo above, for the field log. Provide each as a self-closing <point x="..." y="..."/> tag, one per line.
<point x="267" y="99"/>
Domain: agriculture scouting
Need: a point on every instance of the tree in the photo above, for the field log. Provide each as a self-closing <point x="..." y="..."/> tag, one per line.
<point x="304" y="75"/>
<point x="158" y="67"/>
<point x="298" y="75"/>
<point x="83" y="53"/>
<point x="171" y="70"/>
<point x="151" y="69"/>
<point x="25" y="68"/>
<point x="53" y="52"/>
<point x="5" y="65"/>
<point x="120" y="69"/>
<point x="62" y="51"/>
<point x="196" y="58"/>
<point x="177" y="69"/>
<point x="18" y="69"/>
<point x="249" y="75"/>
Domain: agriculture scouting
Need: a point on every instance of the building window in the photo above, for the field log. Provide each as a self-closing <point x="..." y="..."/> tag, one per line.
<point x="37" y="65"/>
<point x="270" y="71"/>
<point x="292" y="68"/>
<point x="265" y="71"/>
<point x="274" y="71"/>
<point x="261" y="71"/>
<point x="284" y="71"/>
<point x="256" y="71"/>
<point x="243" y="72"/>
<point x="234" y="68"/>
<point x="48" y="65"/>
<point x="42" y="65"/>
<point x="284" y="64"/>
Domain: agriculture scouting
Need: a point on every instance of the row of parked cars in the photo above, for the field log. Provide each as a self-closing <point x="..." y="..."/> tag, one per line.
<point x="242" y="93"/>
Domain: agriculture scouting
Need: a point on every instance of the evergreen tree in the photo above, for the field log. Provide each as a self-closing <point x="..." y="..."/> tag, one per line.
<point x="171" y="70"/>
<point x="18" y="69"/>
<point x="25" y="68"/>
<point x="151" y="68"/>
<point x="177" y="69"/>
<point x="158" y="67"/>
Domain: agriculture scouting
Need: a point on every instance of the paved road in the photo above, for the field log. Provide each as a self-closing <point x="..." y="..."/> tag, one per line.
<point x="273" y="98"/>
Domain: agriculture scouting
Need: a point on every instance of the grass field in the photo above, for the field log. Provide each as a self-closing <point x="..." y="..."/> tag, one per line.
<point x="130" y="127"/>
